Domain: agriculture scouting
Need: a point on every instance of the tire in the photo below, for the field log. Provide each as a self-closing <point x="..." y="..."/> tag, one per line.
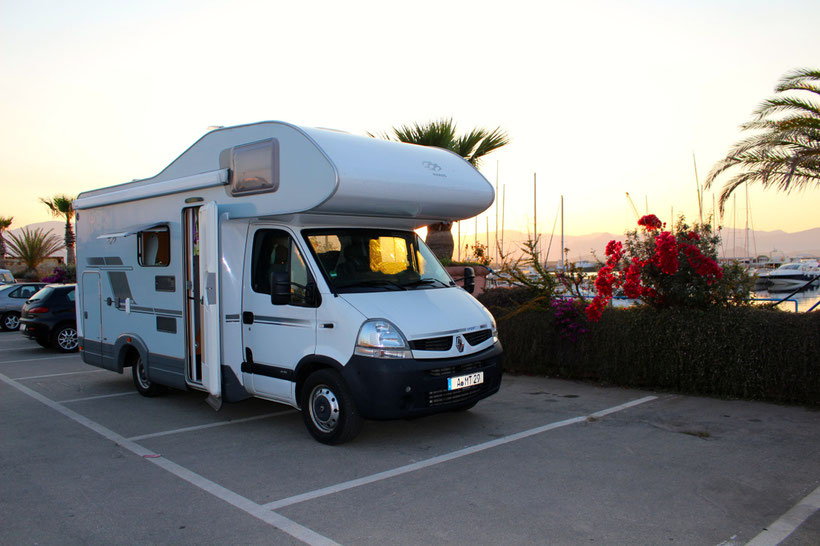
<point x="65" y="339"/>
<point x="144" y="386"/>
<point x="328" y="410"/>
<point x="10" y="321"/>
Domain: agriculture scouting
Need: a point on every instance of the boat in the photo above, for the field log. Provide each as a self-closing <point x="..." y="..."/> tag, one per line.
<point x="792" y="276"/>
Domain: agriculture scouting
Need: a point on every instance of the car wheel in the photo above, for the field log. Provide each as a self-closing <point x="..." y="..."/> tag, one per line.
<point x="66" y="340"/>
<point x="144" y="386"/>
<point x="328" y="409"/>
<point x="10" y="321"/>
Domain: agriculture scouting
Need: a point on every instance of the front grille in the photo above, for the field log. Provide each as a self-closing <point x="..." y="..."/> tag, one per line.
<point x="474" y="338"/>
<point x="455" y="370"/>
<point x="443" y="396"/>
<point x="432" y="344"/>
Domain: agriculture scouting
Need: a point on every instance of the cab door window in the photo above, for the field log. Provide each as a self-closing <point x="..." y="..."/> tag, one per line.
<point x="275" y="251"/>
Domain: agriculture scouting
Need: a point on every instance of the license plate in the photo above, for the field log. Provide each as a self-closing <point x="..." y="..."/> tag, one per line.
<point x="463" y="381"/>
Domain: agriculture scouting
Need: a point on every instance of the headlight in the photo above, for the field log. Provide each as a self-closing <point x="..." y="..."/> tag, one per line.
<point x="381" y="338"/>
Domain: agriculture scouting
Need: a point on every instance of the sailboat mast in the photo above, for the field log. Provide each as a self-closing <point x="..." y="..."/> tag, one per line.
<point x="561" y="261"/>
<point x="535" y="214"/>
<point x="495" y="252"/>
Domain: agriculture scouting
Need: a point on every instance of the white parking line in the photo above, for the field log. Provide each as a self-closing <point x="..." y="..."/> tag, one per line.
<point x="246" y="505"/>
<point x="97" y="397"/>
<point x="55" y="357"/>
<point x="56" y="375"/>
<point x="788" y="522"/>
<point x="275" y="505"/>
<point x="210" y="425"/>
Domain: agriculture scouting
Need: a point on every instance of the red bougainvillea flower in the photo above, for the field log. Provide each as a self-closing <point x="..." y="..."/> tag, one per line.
<point x="615" y="250"/>
<point x="632" y="280"/>
<point x="666" y="253"/>
<point x="595" y="309"/>
<point x="650" y="222"/>
<point x="703" y="265"/>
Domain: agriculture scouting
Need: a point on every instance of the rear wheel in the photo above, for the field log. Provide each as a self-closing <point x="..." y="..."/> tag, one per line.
<point x="144" y="386"/>
<point x="65" y="339"/>
<point x="10" y="321"/>
<point x="328" y="409"/>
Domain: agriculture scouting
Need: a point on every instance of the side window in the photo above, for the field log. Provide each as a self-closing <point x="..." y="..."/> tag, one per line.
<point x="25" y="292"/>
<point x="273" y="251"/>
<point x="16" y="293"/>
<point x="154" y="247"/>
<point x="70" y="296"/>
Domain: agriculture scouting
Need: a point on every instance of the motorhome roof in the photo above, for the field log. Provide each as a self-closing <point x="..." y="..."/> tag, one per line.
<point x="318" y="171"/>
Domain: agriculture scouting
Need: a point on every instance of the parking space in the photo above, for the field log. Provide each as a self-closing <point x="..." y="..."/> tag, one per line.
<point x="84" y="459"/>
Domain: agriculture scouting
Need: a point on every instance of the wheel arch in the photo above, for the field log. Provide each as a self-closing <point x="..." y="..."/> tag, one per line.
<point x="127" y="348"/>
<point x="307" y="366"/>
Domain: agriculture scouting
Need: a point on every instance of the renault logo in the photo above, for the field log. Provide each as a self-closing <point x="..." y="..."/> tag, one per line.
<point x="459" y="344"/>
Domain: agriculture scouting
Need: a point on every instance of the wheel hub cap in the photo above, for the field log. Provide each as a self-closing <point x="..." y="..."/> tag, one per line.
<point x="324" y="409"/>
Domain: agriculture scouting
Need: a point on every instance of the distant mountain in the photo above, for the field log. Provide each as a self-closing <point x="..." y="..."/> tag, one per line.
<point x="586" y="247"/>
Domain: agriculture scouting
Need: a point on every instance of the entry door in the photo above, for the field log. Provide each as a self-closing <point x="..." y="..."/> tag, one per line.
<point x="209" y="298"/>
<point x="92" y="318"/>
<point x="275" y="337"/>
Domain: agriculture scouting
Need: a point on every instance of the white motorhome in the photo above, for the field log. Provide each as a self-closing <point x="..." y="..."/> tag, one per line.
<point x="280" y="262"/>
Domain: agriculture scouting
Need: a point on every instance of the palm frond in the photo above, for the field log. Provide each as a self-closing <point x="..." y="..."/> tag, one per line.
<point x="785" y="151"/>
<point x="442" y="133"/>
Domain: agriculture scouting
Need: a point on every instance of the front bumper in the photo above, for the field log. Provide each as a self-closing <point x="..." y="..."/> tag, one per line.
<point x="391" y="389"/>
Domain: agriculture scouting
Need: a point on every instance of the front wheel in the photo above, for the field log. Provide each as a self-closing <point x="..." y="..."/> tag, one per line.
<point x="328" y="409"/>
<point x="144" y="386"/>
<point x="66" y="340"/>
<point x="11" y="321"/>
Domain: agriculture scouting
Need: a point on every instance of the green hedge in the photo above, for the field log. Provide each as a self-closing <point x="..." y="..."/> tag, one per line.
<point x="739" y="352"/>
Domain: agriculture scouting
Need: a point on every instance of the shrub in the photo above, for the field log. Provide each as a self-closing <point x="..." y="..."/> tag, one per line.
<point x="732" y="352"/>
<point x="62" y="274"/>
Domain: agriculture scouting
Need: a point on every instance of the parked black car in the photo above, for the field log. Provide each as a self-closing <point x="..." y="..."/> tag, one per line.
<point x="50" y="318"/>
<point x="12" y="298"/>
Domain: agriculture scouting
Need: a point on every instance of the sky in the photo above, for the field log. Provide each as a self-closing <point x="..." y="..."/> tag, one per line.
<point x="599" y="98"/>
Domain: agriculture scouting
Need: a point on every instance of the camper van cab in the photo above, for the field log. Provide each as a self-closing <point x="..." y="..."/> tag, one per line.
<point x="281" y="262"/>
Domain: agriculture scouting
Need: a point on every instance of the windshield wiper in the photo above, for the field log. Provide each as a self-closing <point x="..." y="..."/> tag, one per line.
<point x="429" y="280"/>
<point x="372" y="282"/>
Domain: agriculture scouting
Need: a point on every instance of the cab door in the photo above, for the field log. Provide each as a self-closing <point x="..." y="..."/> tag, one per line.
<point x="276" y="337"/>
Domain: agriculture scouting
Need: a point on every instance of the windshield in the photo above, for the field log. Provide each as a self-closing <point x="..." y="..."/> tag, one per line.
<point x="6" y="277"/>
<point x="374" y="260"/>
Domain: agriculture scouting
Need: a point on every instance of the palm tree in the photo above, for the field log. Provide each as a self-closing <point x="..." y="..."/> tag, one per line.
<point x="785" y="151"/>
<point x="33" y="247"/>
<point x="5" y="222"/>
<point x="63" y="205"/>
<point x="471" y="146"/>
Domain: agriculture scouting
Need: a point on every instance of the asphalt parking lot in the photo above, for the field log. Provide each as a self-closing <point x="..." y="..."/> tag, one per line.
<point x="84" y="459"/>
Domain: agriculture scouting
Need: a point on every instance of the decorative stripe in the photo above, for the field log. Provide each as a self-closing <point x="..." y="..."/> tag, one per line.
<point x="268" y="371"/>
<point x="281" y="321"/>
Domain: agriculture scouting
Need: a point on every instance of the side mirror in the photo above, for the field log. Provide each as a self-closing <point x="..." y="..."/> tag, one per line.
<point x="279" y="288"/>
<point x="469" y="279"/>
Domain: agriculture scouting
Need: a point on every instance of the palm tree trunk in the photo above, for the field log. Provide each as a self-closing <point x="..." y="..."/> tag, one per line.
<point x="69" y="242"/>
<point x="2" y="251"/>
<point x="440" y="240"/>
